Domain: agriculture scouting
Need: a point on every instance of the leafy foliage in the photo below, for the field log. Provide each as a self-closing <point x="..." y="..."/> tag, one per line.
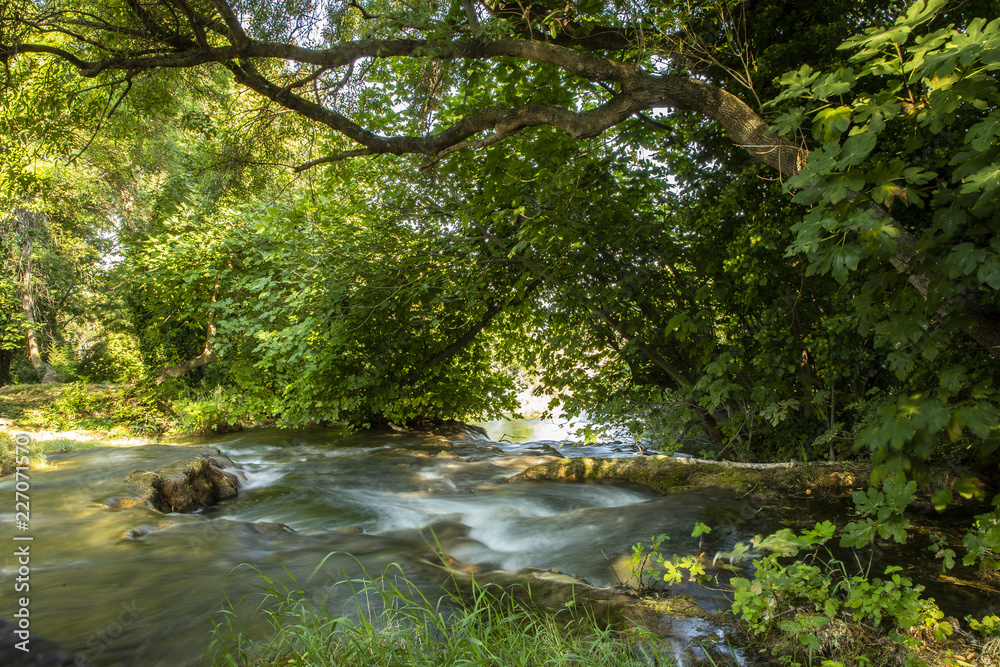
<point x="813" y="611"/>
<point x="903" y="170"/>
<point x="673" y="570"/>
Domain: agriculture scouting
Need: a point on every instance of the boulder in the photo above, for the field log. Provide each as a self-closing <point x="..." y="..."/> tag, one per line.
<point x="187" y="486"/>
<point x="41" y="652"/>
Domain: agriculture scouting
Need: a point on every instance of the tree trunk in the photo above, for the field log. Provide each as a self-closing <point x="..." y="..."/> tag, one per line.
<point x="6" y="357"/>
<point x="28" y="306"/>
<point x="46" y="374"/>
<point x="207" y="355"/>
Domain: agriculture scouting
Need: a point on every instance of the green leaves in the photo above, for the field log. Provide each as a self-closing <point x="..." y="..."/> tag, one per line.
<point x="830" y="123"/>
<point x="875" y="40"/>
<point x="985" y="180"/>
<point x="983" y="543"/>
<point x="887" y="507"/>
<point x="856" y="150"/>
<point x="919" y="140"/>
<point x="789" y="601"/>
<point x="796" y="84"/>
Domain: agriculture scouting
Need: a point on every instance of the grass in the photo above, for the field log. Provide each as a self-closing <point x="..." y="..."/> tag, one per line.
<point x="123" y="410"/>
<point x="38" y="451"/>
<point x="395" y="624"/>
<point x="10" y="457"/>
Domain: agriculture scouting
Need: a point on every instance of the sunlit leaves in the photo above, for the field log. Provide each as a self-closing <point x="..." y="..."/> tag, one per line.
<point x="830" y="123"/>
<point x="918" y="141"/>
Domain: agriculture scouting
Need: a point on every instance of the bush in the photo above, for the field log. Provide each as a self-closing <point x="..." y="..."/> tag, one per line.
<point x="816" y="610"/>
<point x="135" y="409"/>
<point x="113" y="359"/>
<point x="218" y="412"/>
<point x="62" y="359"/>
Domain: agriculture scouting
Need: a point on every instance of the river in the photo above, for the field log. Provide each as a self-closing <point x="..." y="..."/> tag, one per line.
<point x="135" y="587"/>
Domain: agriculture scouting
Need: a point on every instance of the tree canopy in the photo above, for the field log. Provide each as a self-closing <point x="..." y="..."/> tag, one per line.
<point x="427" y="78"/>
<point x="764" y="224"/>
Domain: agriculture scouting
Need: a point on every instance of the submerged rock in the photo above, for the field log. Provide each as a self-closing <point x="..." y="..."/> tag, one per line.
<point x="125" y="502"/>
<point x="351" y="529"/>
<point x="183" y="487"/>
<point x="40" y="652"/>
<point x="270" y="528"/>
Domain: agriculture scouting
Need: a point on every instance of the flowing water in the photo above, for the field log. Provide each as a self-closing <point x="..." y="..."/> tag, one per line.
<point x="135" y="587"/>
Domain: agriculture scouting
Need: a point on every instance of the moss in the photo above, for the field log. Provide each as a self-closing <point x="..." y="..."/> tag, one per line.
<point x="183" y="487"/>
<point x="145" y="485"/>
<point x="669" y="475"/>
<point x="675" y="605"/>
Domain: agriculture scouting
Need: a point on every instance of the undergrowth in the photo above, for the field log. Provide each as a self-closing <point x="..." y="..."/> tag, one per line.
<point x="126" y="410"/>
<point x="31" y="456"/>
<point x="143" y="409"/>
<point x="817" y="609"/>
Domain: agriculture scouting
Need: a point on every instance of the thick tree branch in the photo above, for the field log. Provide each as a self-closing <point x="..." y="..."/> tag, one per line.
<point x="637" y="90"/>
<point x="236" y="35"/>
<point x="207" y="355"/>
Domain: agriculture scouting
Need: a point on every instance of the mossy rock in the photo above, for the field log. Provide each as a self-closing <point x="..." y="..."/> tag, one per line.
<point x="669" y="475"/>
<point x="187" y="486"/>
<point x="145" y="485"/>
<point x="548" y="590"/>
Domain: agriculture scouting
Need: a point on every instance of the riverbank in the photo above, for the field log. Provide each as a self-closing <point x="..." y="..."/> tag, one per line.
<point x="106" y="410"/>
<point x="70" y="417"/>
<point x="45" y="443"/>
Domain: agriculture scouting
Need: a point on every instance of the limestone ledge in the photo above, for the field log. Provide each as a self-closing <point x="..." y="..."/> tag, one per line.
<point x="670" y="475"/>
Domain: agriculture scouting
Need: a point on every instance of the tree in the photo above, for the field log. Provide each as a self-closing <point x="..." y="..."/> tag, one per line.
<point x="431" y="79"/>
<point x="11" y="327"/>
<point x="89" y="170"/>
<point x="912" y="129"/>
<point x="438" y="81"/>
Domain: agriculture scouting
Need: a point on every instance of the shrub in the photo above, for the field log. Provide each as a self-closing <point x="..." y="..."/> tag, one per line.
<point x="819" y="609"/>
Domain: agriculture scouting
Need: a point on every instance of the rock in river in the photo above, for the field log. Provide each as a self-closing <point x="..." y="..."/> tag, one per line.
<point x="41" y="652"/>
<point x="183" y="487"/>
